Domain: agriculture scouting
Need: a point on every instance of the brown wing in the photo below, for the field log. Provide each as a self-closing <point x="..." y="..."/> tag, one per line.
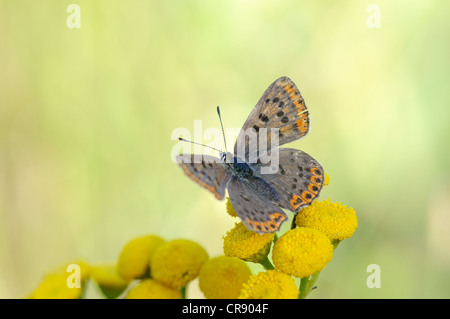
<point x="208" y="171"/>
<point x="280" y="107"/>
<point x="255" y="209"/>
<point x="299" y="178"/>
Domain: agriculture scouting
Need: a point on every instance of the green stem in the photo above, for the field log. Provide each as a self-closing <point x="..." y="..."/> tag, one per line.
<point x="183" y="292"/>
<point x="307" y="284"/>
<point x="312" y="282"/>
<point x="302" y="287"/>
<point x="267" y="264"/>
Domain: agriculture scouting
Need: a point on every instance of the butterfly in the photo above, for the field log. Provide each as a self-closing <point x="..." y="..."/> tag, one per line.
<point x="259" y="197"/>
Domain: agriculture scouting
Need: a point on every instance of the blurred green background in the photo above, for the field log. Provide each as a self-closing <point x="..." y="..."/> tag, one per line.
<point x="87" y="114"/>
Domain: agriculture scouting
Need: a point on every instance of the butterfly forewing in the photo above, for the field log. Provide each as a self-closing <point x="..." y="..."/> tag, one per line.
<point x="208" y="171"/>
<point x="298" y="180"/>
<point x="255" y="211"/>
<point x="281" y="108"/>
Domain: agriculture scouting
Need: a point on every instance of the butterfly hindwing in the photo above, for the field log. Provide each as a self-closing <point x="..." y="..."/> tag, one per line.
<point x="299" y="178"/>
<point x="208" y="172"/>
<point x="281" y="107"/>
<point x="256" y="211"/>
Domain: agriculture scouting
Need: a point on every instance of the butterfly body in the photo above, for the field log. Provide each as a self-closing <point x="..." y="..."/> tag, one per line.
<point x="259" y="197"/>
<point x="238" y="167"/>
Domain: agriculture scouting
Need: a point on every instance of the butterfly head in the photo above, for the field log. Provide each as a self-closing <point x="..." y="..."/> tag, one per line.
<point x="226" y="157"/>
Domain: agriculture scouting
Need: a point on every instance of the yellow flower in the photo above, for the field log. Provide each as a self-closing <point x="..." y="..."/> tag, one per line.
<point x="54" y="286"/>
<point x="150" y="289"/>
<point x="65" y="282"/>
<point x="109" y="281"/>
<point x="271" y="284"/>
<point x="177" y="262"/>
<point x="222" y="277"/>
<point x="135" y="256"/>
<point x="245" y="244"/>
<point x="327" y="180"/>
<point x="230" y="209"/>
<point x="301" y="252"/>
<point x="333" y="219"/>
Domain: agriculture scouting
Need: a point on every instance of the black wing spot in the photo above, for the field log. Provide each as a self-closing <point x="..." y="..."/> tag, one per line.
<point x="276" y="219"/>
<point x="263" y="117"/>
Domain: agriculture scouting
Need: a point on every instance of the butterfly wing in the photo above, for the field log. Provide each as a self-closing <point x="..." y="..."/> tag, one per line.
<point x="257" y="212"/>
<point x="298" y="181"/>
<point x="208" y="172"/>
<point x="281" y="106"/>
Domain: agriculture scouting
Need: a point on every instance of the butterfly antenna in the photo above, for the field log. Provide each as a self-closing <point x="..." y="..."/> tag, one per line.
<point x="223" y="132"/>
<point x="182" y="139"/>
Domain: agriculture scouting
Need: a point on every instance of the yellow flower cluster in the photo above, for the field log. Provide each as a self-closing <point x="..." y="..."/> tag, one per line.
<point x="222" y="277"/>
<point x="230" y="209"/>
<point x="108" y="279"/>
<point x="150" y="267"/>
<point x="177" y="262"/>
<point x="66" y="282"/>
<point x="300" y="252"/>
<point x="327" y="180"/>
<point x="271" y="284"/>
<point x="245" y="244"/>
<point x="335" y="220"/>
<point x="134" y="259"/>
<point x="151" y="289"/>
